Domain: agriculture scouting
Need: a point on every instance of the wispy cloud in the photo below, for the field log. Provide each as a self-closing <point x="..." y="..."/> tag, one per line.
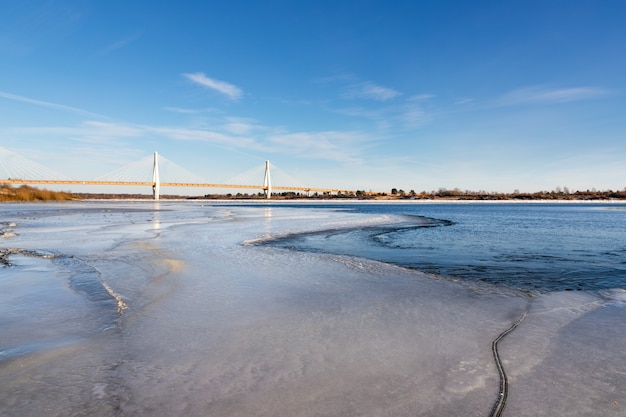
<point x="370" y="91"/>
<point x="92" y="132"/>
<point x="333" y="145"/>
<point x="409" y="115"/>
<point x="542" y="95"/>
<point x="98" y="132"/>
<point x="232" y="132"/>
<point x="231" y="91"/>
<point x="414" y="116"/>
<point x="362" y="112"/>
<point x="120" y="43"/>
<point x="242" y="126"/>
<point x="464" y="100"/>
<point x="421" y="97"/>
<point x="119" y="130"/>
<point x="344" y="78"/>
<point x="189" y="111"/>
<point x="179" y="133"/>
<point x="48" y="104"/>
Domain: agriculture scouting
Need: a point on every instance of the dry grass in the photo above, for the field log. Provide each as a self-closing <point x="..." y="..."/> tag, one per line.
<point x="27" y="193"/>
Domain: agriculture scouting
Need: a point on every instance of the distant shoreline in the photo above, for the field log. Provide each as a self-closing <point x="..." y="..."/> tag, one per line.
<point x="31" y="194"/>
<point x="348" y="201"/>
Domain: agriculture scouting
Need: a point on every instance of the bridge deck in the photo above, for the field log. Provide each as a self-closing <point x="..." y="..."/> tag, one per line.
<point x="168" y="184"/>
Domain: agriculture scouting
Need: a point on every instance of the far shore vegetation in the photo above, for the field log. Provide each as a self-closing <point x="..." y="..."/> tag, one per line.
<point x="28" y="193"/>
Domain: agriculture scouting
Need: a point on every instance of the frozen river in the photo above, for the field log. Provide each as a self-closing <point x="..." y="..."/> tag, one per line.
<point x="198" y="309"/>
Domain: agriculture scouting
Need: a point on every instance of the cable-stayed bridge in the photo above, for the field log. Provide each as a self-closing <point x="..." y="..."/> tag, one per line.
<point x="153" y="171"/>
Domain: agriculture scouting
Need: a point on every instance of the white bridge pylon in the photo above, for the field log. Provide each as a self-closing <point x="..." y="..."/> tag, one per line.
<point x="267" y="183"/>
<point x="156" y="183"/>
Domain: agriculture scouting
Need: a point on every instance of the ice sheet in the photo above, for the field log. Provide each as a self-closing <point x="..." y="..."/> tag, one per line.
<point x="216" y="327"/>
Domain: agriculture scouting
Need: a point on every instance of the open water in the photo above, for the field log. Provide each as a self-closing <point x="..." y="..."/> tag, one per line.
<point x="356" y="309"/>
<point x="546" y="247"/>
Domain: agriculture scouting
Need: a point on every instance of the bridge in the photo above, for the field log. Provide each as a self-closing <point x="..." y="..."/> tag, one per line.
<point x="21" y="171"/>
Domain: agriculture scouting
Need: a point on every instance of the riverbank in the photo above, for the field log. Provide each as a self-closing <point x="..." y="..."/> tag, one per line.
<point x="26" y="193"/>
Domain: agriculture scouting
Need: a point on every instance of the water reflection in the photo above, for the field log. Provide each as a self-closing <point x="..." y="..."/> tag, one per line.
<point x="156" y="220"/>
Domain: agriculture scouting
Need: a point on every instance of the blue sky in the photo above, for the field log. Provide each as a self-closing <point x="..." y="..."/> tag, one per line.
<point x="422" y="95"/>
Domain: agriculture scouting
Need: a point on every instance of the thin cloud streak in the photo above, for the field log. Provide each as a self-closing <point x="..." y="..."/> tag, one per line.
<point x="231" y="91"/>
<point x="414" y="116"/>
<point x="410" y="115"/>
<point x="120" y="44"/>
<point x="370" y="91"/>
<point x="421" y="97"/>
<point x="202" y="135"/>
<point x="236" y="134"/>
<point x="51" y="105"/>
<point x="330" y="145"/>
<point x="242" y="126"/>
<point x="539" y="95"/>
<point x="189" y="111"/>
